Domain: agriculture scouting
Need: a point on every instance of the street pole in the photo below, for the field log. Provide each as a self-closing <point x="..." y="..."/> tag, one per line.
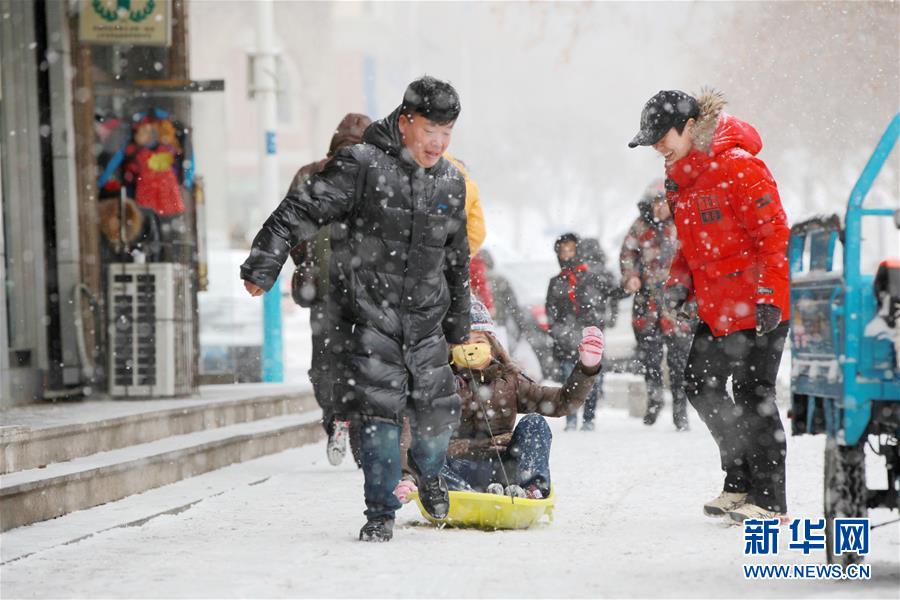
<point x="266" y="88"/>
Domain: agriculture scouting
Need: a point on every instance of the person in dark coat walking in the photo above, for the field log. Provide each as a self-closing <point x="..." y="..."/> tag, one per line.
<point x="570" y="308"/>
<point x="401" y="273"/>
<point x="600" y="290"/>
<point x="732" y="259"/>
<point x="596" y="298"/>
<point x="646" y="256"/>
<point x="310" y="289"/>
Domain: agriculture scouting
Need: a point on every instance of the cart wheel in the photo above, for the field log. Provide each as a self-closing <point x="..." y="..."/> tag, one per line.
<point x="845" y="492"/>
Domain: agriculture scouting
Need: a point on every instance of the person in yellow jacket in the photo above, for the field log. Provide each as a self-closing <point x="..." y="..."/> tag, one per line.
<point x="474" y="215"/>
<point x="476" y="233"/>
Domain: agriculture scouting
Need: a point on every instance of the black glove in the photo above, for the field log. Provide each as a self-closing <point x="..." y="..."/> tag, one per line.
<point x="768" y="316"/>
<point x="675" y="297"/>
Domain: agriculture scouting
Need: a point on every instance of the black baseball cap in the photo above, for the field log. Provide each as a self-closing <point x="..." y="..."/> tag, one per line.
<point x="665" y="110"/>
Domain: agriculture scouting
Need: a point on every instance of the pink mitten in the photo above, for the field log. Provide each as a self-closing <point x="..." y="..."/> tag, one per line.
<point x="590" y="351"/>
<point x="403" y="489"/>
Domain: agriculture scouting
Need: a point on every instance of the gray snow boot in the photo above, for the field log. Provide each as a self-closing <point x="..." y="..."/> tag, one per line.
<point x="378" y="529"/>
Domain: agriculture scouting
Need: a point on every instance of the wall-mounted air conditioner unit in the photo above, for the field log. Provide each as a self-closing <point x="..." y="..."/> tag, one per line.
<point x="150" y="330"/>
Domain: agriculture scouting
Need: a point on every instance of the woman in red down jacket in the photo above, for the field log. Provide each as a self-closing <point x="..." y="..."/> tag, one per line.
<point x="733" y="236"/>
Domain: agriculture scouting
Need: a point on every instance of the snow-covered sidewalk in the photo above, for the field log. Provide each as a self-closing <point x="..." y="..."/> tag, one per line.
<point x="628" y="524"/>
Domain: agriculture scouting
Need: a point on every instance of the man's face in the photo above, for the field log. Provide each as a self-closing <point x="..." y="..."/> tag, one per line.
<point x="425" y="140"/>
<point x="674" y="146"/>
<point x="661" y="209"/>
<point x="567" y="251"/>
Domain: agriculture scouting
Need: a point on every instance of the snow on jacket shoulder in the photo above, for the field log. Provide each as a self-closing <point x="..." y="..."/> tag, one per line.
<point x="732" y="229"/>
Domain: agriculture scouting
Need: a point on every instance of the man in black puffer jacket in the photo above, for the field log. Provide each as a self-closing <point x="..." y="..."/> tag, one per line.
<point x="400" y="274"/>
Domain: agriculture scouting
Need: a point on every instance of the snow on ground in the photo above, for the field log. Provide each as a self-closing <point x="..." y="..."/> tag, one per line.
<point x="628" y="524"/>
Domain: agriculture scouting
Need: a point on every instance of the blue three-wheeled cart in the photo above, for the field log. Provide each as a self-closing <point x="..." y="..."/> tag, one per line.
<point x="844" y="350"/>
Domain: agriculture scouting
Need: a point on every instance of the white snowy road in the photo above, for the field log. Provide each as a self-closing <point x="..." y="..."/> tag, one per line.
<point x="628" y="524"/>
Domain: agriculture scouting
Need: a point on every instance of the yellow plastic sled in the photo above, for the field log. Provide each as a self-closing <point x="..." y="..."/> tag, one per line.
<point x="491" y="511"/>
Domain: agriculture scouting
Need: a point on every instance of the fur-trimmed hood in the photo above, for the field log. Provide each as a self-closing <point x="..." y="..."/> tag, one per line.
<point x="384" y="134"/>
<point x="712" y="105"/>
<point x="716" y="131"/>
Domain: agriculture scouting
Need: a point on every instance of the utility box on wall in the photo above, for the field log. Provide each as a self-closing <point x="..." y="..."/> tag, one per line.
<point x="150" y="330"/>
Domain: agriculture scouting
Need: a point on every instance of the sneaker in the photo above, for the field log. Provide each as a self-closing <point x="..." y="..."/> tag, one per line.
<point x="379" y="529"/>
<point x="752" y="511"/>
<point x="533" y="492"/>
<point x="515" y="491"/>
<point x="435" y="496"/>
<point x="587" y="426"/>
<point x="724" y="503"/>
<point x="495" y="488"/>
<point x="337" y="442"/>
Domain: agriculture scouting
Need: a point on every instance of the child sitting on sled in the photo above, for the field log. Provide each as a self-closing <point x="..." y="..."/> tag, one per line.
<point x="489" y="452"/>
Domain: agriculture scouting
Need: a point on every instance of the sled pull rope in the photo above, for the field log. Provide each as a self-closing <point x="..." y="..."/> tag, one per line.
<point x="488" y="423"/>
<point x="871" y="527"/>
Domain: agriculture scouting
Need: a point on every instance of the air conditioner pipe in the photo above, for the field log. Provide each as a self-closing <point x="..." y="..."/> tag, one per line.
<point x="88" y="366"/>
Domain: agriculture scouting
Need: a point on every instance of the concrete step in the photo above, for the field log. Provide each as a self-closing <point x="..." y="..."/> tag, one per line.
<point x="141" y="508"/>
<point x="38" y="494"/>
<point x="44" y="435"/>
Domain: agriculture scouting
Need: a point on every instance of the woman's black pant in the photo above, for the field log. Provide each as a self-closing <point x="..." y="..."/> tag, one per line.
<point x="747" y="428"/>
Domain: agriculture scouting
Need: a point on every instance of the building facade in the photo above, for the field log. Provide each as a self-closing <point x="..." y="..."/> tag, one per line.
<point x="59" y="83"/>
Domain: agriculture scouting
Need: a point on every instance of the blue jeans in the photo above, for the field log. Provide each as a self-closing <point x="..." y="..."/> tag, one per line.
<point x="526" y="460"/>
<point x="380" y="444"/>
<point x="590" y="403"/>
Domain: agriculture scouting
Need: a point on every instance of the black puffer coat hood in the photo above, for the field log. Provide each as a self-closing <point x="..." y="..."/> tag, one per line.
<point x="399" y="273"/>
<point x="384" y="134"/>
